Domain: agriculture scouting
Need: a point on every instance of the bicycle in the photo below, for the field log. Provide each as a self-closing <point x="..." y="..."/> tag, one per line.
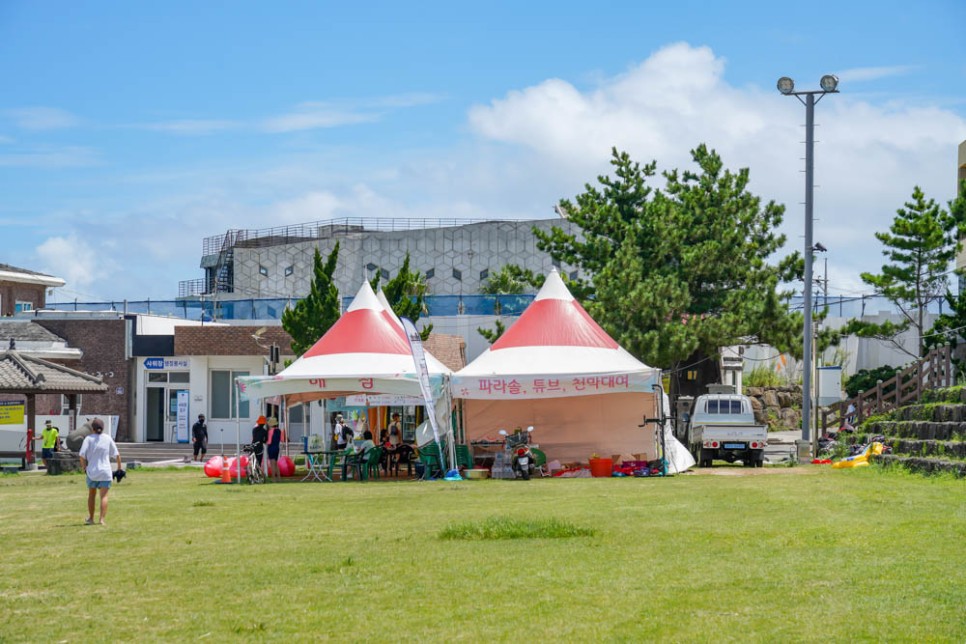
<point x="254" y="472"/>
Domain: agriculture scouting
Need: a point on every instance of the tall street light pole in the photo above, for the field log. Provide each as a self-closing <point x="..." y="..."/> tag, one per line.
<point x="786" y="86"/>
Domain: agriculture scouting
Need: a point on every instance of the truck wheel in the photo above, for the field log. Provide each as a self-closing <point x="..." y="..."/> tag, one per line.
<point x="705" y="460"/>
<point x="760" y="461"/>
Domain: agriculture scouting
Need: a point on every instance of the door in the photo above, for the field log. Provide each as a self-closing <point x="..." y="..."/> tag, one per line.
<point x="155" y="413"/>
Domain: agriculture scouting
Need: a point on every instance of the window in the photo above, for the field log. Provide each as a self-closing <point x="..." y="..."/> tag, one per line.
<point x="457" y="275"/>
<point x="179" y="376"/>
<point x="289" y="270"/>
<point x="223" y="393"/>
<point x="262" y="270"/>
<point x="158" y="377"/>
<point x="65" y="404"/>
<point x="21" y="307"/>
<point x="724" y="406"/>
<point x="384" y="273"/>
<point x="573" y="275"/>
<point x="431" y="273"/>
<point x="484" y="273"/>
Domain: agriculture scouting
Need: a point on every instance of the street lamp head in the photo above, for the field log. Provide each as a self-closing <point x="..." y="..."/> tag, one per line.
<point x="786" y="85"/>
<point x="819" y="248"/>
<point x="829" y="83"/>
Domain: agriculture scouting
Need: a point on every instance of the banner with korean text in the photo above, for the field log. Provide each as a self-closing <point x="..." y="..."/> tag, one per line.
<point x="422" y="371"/>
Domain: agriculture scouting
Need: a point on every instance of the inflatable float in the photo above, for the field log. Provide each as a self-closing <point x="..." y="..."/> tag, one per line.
<point x="859" y="460"/>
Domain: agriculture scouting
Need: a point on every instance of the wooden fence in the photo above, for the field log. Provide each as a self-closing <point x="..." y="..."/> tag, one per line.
<point x="930" y="372"/>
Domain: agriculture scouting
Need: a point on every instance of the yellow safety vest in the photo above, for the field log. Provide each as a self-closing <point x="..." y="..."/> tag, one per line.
<point x="50" y="437"/>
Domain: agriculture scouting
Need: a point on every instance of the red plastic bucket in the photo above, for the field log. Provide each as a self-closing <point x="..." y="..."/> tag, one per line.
<point x="601" y="467"/>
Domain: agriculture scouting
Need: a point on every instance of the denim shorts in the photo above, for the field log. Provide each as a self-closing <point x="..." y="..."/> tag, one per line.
<point x="98" y="484"/>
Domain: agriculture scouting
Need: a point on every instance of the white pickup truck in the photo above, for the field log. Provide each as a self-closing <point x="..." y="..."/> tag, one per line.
<point x="722" y="426"/>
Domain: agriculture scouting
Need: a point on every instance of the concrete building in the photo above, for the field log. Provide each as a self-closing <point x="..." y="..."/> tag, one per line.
<point x="455" y="256"/>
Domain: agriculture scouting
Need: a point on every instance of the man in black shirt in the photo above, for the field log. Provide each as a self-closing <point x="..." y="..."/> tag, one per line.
<point x="199" y="436"/>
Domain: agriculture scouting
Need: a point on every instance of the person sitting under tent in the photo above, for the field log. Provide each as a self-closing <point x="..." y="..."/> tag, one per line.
<point x="357" y="457"/>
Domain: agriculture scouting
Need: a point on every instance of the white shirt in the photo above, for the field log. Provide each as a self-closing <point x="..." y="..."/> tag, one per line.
<point x="98" y="450"/>
<point x="338" y="434"/>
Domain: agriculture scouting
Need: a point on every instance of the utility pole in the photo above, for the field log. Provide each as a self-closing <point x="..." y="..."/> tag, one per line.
<point x="786" y="86"/>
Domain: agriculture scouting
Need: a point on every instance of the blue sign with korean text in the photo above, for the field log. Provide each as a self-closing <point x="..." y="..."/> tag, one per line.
<point x="154" y="363"/>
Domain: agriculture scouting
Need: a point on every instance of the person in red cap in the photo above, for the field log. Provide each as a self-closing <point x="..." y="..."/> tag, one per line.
<point x="259" y="438"/>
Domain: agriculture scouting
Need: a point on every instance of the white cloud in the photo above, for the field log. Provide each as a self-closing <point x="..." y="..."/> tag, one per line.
<point x="327" y="114"/>
<point x="50" y="157"/>
<point x="78" y="261"/>
<point x="861" y="74"/>
<point x="41" y="118"/>
<point x="194" y="126"/>
<point x="310" y="116"/>
<point x="868" y="156"/>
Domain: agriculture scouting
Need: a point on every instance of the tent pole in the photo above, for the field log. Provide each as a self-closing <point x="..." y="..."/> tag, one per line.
<point x="283" y="421"/>
<point x="238" y="431"/>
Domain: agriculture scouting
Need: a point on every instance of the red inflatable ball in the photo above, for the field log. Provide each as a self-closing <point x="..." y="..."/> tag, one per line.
<point x="233" y="466"/>
<point x="213" y="467"/>
<point x="286" y="466"/>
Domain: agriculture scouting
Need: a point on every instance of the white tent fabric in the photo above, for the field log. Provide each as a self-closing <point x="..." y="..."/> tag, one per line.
<point x="554" y="350"/>
<point x="679" y="459"/>
<point x="555" y="368"/>
<point x="365" y="352"/>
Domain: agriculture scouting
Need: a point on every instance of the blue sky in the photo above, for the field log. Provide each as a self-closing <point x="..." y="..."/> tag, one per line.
<point x="131" y="131"/>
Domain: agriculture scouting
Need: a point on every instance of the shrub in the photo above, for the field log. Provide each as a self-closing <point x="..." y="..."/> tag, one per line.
<point x="866" y="379"/>
<point x="763" y="376"/>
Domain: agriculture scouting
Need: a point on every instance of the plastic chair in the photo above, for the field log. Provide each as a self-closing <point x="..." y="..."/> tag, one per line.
<point x="463" y="457"/>
<point x="539" y="461"/>
<point x="431" y="459"/>
<point x="370" y="463"/>
<point x="337" y="460"/>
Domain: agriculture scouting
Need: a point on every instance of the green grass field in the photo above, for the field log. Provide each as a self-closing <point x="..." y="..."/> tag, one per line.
<point x="803" y="554"/>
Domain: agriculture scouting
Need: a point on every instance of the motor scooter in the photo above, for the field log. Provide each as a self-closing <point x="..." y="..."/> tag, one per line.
<point x="517" y="449"/>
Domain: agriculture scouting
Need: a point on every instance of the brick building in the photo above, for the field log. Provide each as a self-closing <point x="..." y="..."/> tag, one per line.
<point x="24" y="290"/>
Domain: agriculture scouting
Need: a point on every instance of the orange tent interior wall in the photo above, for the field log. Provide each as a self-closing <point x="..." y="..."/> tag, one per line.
<point x="570" y="429"/>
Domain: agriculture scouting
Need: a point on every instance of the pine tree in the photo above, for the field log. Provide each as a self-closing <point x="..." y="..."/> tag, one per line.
<point x="406" y="294"/>
<point x="683" y="270"/>
<point x="312" y="316"/>
<point x="920" y="246"/>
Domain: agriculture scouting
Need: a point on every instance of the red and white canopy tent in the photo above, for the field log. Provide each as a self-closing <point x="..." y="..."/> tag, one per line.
<point x="555" y="368"/>
<point x="365" y="352"/>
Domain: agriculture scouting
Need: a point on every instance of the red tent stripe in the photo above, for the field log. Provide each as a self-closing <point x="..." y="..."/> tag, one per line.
<point x="361" y="331"/>
<point x="554" y="323"/>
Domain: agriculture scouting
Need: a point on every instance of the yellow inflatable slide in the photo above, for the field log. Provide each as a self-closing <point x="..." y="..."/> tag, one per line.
<point x="859" y="460"/>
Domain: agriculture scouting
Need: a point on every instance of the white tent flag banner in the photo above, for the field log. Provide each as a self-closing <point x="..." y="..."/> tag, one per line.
<point x="422" y="371"/>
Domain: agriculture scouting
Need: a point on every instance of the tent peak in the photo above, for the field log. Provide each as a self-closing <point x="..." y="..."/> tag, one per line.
<point x="365" y="299"/>
<point x="554" y="288"/>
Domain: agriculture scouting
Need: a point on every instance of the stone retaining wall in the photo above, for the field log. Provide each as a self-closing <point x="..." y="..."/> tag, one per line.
<point x="778" y="407"/>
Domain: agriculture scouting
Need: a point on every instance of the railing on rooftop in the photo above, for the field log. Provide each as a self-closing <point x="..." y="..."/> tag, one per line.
<point x="192" y="288"/>
<point x="272" y="308"/>
<point x="240" y="237"/>
<point x="440" y="305"/>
